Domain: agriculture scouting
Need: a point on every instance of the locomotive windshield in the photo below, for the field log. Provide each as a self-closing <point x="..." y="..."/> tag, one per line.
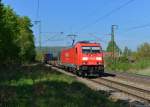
<point x="90" y="49"/>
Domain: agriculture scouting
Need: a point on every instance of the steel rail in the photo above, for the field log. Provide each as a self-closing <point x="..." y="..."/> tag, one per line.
<point x="137" y="92"/>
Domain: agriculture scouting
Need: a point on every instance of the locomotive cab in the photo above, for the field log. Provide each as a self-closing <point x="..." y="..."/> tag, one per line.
<point x="91" y="58"/>
<point x="92" y="55"/>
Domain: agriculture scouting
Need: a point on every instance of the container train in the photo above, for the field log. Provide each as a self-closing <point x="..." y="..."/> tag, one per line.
<point x="84" y="59"/>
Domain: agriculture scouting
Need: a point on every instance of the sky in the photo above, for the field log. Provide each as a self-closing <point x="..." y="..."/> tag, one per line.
<point x="78" y="17"/>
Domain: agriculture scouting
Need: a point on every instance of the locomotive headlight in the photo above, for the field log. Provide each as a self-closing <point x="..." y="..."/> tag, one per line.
<point x="85" y="58"/>
<point x="98" y="58"/>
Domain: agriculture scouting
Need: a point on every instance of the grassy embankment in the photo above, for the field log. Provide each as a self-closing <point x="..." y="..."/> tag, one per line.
<point x="141" y="67"/>
<point x="39" y="86"/>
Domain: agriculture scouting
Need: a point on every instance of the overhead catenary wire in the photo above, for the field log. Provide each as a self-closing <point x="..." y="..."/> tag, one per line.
<point x="38" y="21"/>
<point x="106" y="15"/>
<point x="97" y="9"/>
<point x="37" y="10"/>
<point x="96" y="38"/>
<point x="138" y="27"/>
<point x="55" y="37"/>
<point x="134" y="28"/>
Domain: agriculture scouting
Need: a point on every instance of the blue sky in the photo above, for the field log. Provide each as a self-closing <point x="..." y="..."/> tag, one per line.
<point x="70" y="16"/>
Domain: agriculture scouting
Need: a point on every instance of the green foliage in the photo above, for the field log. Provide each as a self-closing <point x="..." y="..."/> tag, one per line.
<point x="26" y="40"/>
<point x="127" y="52"/>
<point x="141" y="64"/>
<point x="16" y="37"/>
<point x="110" y="47"/>
<point x="120" y="64"/>
<point x="39" y="86"/>
<point x="8" y="36"/>
<point x="39" y="56"/>
<point x="143" y="51"/>
<point x="131" y="61"/>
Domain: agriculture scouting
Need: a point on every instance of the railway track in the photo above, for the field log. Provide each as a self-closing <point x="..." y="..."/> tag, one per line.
<point x="140" y="93"/>
<point x="131" y="90"/>
<point x="133" y="77"/>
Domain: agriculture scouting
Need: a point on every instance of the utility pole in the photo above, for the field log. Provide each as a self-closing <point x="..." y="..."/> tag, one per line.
<point x="72" y="36"/>
<point x="40" y="32"/>
<point x="113" y="42"/>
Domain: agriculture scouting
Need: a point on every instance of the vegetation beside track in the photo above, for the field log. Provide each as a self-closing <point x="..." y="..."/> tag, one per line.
<point x="133" y="62"/>
<point x="141" y="67"/>
<point x="36" y="85"/>
<point x="16" y="38"/>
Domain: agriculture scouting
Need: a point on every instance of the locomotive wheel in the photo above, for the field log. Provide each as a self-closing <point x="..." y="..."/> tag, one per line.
<point x="82" y="74"/>
<point x="70" y="69"/>
<point x="101" y="73"/>
<point x="78" y="72"/>
<point x="85" y="74"/>
<point x="74" y="71"/>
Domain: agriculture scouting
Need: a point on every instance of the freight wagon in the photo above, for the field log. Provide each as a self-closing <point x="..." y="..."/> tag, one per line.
<point x="47" y="57"/>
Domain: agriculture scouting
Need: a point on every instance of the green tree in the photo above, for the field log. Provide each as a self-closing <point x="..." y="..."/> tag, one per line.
<point x="26" y="40"/>
<point x="143" y="51"/>
<point x="110" y="47"/>
<point x="1" y="27"/>
<point x="126" y="52"/>
<point x="16" y="37"/>
<point x="9" y="30"/>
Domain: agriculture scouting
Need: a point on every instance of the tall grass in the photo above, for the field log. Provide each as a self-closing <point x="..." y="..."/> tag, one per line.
<point x="141" y="64"/>
<point x="123" y="65"/>
<point x="39" y="86"/>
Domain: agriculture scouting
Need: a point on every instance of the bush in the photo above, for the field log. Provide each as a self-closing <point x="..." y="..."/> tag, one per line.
<point x="39" y="56"/>
<point x="141" y="64"/>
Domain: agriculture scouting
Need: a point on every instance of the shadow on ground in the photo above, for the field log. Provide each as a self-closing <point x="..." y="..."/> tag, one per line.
<point x="107" y="75"/>
<point x="53" y="94"/>
<point x="102" y="75"/>
<point x="24" y="72"/>
<point x="47" y="93"/>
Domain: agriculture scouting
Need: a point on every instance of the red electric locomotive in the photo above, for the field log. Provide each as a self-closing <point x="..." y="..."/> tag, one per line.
<point x="84" y="58"/>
